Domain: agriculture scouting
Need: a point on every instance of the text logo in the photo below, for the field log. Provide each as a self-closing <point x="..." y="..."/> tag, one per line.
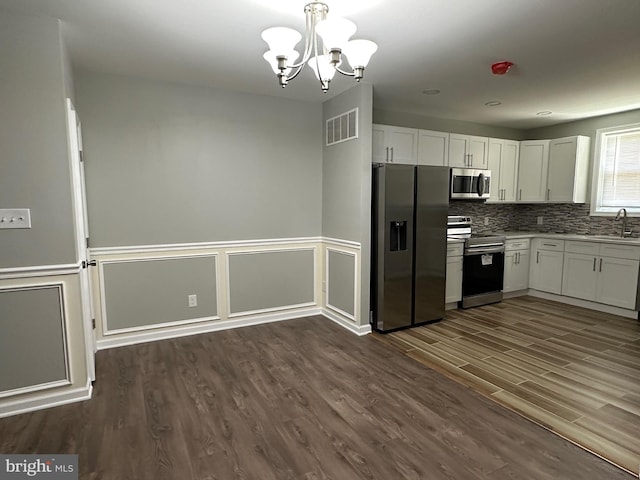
<point x="52" y="467"/>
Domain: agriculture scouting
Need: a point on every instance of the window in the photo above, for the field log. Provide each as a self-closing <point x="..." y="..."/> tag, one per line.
<point x="616" y="172"/>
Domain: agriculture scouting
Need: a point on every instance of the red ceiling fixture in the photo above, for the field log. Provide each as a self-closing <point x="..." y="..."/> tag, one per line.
<point x="500" y="68"/>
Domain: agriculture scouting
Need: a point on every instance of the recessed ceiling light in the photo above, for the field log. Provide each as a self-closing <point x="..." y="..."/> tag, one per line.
<point x="493" y="103"/>
<point x="544" y="113"/>
<point x="431" y="91"/>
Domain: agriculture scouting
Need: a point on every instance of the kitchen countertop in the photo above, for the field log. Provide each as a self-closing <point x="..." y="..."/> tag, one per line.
<point x="573" y="236"/>
<point x="562" y="236"/>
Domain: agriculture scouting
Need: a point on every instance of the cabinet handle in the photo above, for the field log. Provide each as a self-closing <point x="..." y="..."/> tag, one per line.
<point x="387" y="148"/>
<point x="548" y="194"/>
<point x="392" y="154"/>
<point x="520" y="194"/>
<point x="517" y="258"/>
<point x="537" y="257"/>
<point x="470" y="159"/>
<point x="600" y="270"/>
<point x="594" y="264"/>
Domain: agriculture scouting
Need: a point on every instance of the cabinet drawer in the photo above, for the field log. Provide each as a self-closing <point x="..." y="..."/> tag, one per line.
<point x="549" y="244"/>
<point x="587" y="248"/>
<point x="517" y="244"/>
<point x="455" y="249"/>
<point x="620" y="251"/>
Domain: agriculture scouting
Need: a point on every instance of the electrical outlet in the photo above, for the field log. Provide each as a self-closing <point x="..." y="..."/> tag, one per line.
<point x="193" y="300"/>
<point x="539" y="220"/>
<point x="486" y="220"/>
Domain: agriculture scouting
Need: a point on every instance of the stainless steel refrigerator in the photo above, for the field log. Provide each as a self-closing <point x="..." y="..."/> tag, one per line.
<point x="408" y="245"/>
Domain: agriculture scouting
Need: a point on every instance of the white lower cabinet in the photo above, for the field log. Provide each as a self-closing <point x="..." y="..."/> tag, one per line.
<point x="454" y="273"/>
<point x="516" y="265"/>
<point x="546" y="265"/>
<point x="603" y="273"/>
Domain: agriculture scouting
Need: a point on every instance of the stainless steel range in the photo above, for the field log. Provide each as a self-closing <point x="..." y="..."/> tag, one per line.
<point x="482" y="264"/>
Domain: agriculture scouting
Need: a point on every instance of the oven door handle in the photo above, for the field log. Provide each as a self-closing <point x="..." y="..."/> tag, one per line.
<point x="482" y="251"/>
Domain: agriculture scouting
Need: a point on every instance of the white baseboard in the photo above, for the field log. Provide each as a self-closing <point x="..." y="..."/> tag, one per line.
<point x="184" y="331"/>
<point x="46" y="400"/>
<point x="600" y="307"/>
<point x="348" y="324"/>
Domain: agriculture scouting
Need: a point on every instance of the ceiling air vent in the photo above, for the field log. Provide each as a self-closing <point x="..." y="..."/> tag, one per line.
<point x="343" y="127"/>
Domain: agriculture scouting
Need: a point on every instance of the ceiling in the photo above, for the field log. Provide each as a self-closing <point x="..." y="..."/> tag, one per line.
<point x="574" y="58"/>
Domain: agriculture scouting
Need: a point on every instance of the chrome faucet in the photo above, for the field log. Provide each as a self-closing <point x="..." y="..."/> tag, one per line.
<point x="623" y="230"/>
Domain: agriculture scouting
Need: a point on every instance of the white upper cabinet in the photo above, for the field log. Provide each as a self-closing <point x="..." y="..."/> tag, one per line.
<point x="433" y="148"/>
<point x="395" y="145"/>
<point x="568" y="169"/>
<point x="468" y="151"/>
<point x="503" y="160"/>
<point x="532" y="170"/>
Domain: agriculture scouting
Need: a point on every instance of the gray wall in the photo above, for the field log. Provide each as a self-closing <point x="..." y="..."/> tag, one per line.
<point x="411" y="120"/>
<point x="32" y="343"/>
<point x="270" y="280"/>
<point x="169" y="163"/>
<point x="34" y="162"/>
<point x="161" y="291"/>
<point x="346" y="188"/>
<point x="586" y="127"/>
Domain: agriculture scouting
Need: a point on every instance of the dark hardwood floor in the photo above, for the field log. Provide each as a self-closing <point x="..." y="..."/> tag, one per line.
<point x="301" y="399"/>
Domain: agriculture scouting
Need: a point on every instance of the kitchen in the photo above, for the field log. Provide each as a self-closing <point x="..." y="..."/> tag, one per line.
<point x="180" y="144"/>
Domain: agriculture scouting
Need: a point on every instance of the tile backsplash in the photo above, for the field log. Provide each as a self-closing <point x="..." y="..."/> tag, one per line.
<point x="556" y="218"/>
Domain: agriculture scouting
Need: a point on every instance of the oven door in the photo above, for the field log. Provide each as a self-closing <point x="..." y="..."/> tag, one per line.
<point x="470" y="183"/>
<point x="483" y="271"/>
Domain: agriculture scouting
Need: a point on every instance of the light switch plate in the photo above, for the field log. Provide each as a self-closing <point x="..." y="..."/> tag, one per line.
<point x="15" y="218"/>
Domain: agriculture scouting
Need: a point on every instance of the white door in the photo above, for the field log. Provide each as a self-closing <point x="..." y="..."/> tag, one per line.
<point x="495" y="155"/>
<point x="458" y="147"/>
<point x="82" y="232"/>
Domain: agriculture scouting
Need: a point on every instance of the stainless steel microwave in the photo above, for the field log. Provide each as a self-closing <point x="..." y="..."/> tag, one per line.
<point x="467" y="183"/>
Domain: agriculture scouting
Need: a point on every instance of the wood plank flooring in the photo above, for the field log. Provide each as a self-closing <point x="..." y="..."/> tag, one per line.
<point x="574" y="371"/>
<point x="304" y="399"/>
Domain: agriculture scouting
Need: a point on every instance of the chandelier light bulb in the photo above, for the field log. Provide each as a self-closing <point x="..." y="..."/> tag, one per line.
<point x="359" y="52"/>
<point x="335" y="32"/>
<point x="281" y="40"/>
<point x="271" y="59"/>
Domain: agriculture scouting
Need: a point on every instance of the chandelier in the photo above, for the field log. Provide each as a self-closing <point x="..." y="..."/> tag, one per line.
<point x="324" y="60"/>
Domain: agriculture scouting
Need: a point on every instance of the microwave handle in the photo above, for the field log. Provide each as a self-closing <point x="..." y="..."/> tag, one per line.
<point x="480" y="184"/>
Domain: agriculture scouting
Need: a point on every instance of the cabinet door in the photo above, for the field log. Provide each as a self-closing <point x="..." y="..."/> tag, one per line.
<point x="509" y="170"/>
<point x="403" y="145"/>
<point x="532" y="171"/>
<point x="516" y="270"/>
<point x="477" y="148"/>
<point x="568" y="169"/>
<point x="562" y="169"/>
<point x="454" y="280"/>
<point x="458" y="150"/>
<point x="509" y="271"/>
<point x="380" y="151"/>
<point x="617" y="282"/>
<point x="494" y="156"/>
<point x="433" y="148"/>
<point x="579" y="276"/>
<point x="546" y="271"/>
